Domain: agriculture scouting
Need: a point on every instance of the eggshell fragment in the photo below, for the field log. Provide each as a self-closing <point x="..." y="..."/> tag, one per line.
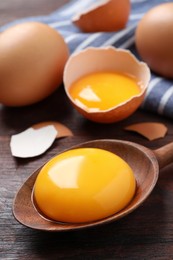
<point x="62" y="130"/>
<point x="106" y="59"/>
<point x="32" y="142"/>
<point x="107" y="15"/>
<point x="149" y="130"/>
<point x="154" y="39"/>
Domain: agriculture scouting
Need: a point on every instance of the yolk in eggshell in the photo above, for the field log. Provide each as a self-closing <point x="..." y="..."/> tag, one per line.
<point x="83" y="185"/>
<point x="103" y="90"/>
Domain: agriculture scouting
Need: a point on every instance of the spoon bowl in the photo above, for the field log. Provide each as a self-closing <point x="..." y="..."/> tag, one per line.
<point x="144" y="163"/>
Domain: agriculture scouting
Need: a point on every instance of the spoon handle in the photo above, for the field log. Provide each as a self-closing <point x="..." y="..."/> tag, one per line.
<point x="164" y="155"/>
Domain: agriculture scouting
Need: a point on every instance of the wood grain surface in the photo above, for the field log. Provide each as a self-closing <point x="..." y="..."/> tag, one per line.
<point x="147" y="233"/>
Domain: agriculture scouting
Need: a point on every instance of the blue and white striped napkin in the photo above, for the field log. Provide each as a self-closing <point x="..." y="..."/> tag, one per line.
<point x="159" y="97"/>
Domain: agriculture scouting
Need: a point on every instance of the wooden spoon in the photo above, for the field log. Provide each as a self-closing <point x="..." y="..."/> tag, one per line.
<point x="144" y="162"/>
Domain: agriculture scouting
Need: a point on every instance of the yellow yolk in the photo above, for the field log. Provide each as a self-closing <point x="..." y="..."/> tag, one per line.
<point x="83" y="185"/>
<point x="103" y="90"/>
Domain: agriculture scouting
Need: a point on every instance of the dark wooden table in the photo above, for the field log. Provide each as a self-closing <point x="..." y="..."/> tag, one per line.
<point x="147" y="233"/>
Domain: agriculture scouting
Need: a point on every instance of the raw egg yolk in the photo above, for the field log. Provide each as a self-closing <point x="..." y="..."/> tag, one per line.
<point x="103" y="90"/>
<point x="83" y="185"/>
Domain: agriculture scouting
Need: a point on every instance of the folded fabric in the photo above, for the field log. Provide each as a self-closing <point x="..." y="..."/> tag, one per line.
<point x="159" y="97"/>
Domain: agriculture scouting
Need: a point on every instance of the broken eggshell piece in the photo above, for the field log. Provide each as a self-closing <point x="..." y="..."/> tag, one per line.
<point x="150" y="130"/>
<point x="106" y="15"/>
<point x="107" y="59"/>
<point x="32" y="142"/>
<point x="62" y="130"/>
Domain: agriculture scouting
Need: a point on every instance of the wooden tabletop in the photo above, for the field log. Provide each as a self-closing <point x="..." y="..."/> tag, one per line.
<point x="147" y="233"/>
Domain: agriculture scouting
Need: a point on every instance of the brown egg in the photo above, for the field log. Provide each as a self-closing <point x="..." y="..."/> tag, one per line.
<point x="32" y="59"/>
<point x="107" y="59"/>
<point x="154" y="39"/>
<point x="108" y="15"/>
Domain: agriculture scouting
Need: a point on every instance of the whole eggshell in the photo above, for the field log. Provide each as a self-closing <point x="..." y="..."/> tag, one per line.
<point x="106" y="15"/>
<point x="32" y="59"/>
<point x="154" y="39"/>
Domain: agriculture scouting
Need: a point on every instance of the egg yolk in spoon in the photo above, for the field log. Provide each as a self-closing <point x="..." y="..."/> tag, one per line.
<point x="83" y="185"/>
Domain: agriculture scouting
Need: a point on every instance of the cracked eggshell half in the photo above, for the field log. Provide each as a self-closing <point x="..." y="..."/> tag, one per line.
<point x="110" y="59"/>
<point x="107" y="15"/>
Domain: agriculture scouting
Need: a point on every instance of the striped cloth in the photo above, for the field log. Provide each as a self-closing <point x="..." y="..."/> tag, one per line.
<point x="159" y="97"/>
